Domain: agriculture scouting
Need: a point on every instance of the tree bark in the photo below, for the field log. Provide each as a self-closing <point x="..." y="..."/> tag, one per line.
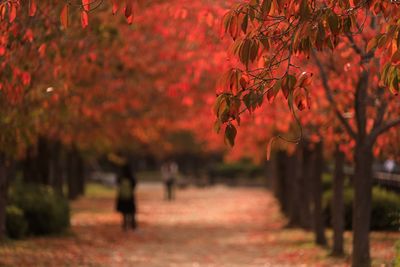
<point x="337" y="205"/>
<point x="319" y="229"/>
<point x="3" y="195"/>
<point x="362" y="205"/>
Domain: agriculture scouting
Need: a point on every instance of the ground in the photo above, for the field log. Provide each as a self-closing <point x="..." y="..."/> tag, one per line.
<point x="217" y="226"/>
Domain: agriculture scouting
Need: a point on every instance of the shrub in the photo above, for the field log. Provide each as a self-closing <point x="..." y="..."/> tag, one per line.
<point x="16" y="224"/>
<point x="45" y="211"/>
<point x="385" y="213"/>
<point x="233" y="170"/>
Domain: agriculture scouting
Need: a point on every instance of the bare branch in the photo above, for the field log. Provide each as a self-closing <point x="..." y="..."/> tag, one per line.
<point x="329" y="96"/>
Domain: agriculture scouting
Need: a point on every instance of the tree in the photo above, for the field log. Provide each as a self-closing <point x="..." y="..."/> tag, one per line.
<point x="271" y="41"/>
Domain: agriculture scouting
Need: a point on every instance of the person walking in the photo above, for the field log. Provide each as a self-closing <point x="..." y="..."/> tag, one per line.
<point x="169" y="171"/>
<point x="126" y="203"/>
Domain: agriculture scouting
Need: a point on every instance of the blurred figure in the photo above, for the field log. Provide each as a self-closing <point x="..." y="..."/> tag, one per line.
<point x="125" y="199"/>
<point x="389" y="165"/>
<point x="169" y="171"/>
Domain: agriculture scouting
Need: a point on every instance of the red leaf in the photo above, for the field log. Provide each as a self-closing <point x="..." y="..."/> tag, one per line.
<point x="130" y="19"/>
<point x="86" y="5"/>
<point x="26" y="78"/>
<point x="84" y="19"/>
<point x="42" y="50"/>
<point x="13" y="13"/>
<point x="128" y="9"/>
<point x="32" y="8"/>
<point x="269" y="147"/>
<point x="64" y="16"/>
<point x="396" y="58"/>
<point x="114" y="7"/>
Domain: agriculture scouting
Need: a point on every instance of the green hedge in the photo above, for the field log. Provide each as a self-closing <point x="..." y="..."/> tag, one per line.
<point x="45" y="211"/>
<point x="385" y="214"/>
<point x="397" y="257"/>
<point x="16" y="224"/>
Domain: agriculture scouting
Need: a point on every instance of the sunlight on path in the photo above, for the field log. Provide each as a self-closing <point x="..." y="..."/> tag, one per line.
<point x="211" y="227"/>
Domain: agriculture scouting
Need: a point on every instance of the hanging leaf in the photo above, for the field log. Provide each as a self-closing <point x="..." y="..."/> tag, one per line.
<point x="372" y="44"/>
<point x="84" y="19"/>
<point x="86" y="5"/>
<point x="334" y="23"/>
<point x="233" y="27"/>
<point x="130" y="19"/>
<point x="396" y="58"/>
<point x="217" y="126"/>
<point x="245" y="23"/>
<point x="114" y="7"/>
<point x="64" y="16"/>
<point x="288" y="84"/>
<point x="269" y="147"/>
<point x="32" y="8"/>
<point x="13" y="13"/>
<point x="128" y="9"/>
<point x="230" y="135"/>
<point x="272" y="92"/>
<point x="394" y="85"/>
<point x="266" y="7"/>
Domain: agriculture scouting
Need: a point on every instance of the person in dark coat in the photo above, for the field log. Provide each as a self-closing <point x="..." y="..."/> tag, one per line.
<point x="126" y="204"/>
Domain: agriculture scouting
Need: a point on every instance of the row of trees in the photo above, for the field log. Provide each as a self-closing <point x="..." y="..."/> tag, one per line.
<point x="69" y="95"/>
<point x="352" y="47"/>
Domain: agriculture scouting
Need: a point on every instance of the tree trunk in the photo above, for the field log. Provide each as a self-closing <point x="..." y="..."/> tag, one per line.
<point x="293" y="188"/>
<point x="3" y="196"/>
<point x="337" y="205"/>
<point x="72" y="175"/>
<point x="319" y="228"/>
<point x="279" y="180"/>
<point x="305" y="186"/>
<point x="81" y="174"/>
<point x="362" y="205"/>
<point x="29" y="166"/>
<point x="56" y="170"/>
<point x="43" y="161"/>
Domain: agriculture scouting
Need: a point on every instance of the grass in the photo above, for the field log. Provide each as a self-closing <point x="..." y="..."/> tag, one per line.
<point x="96" y="190"/>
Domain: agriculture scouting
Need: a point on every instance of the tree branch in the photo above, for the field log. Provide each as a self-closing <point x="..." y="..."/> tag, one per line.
<point x="329" y="96"/>
<point x="354" y="45"/>
<point x="381" y="129"/>
<point x="380" y="110"/>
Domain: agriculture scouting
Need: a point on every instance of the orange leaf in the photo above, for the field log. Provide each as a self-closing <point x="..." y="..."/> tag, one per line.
<point x="32" y="8"/>
<point x="84" y="19"/>
<point x="64" y="16"/>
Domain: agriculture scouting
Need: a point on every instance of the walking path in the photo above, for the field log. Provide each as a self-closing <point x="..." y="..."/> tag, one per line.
<point x="211" y="227"/>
